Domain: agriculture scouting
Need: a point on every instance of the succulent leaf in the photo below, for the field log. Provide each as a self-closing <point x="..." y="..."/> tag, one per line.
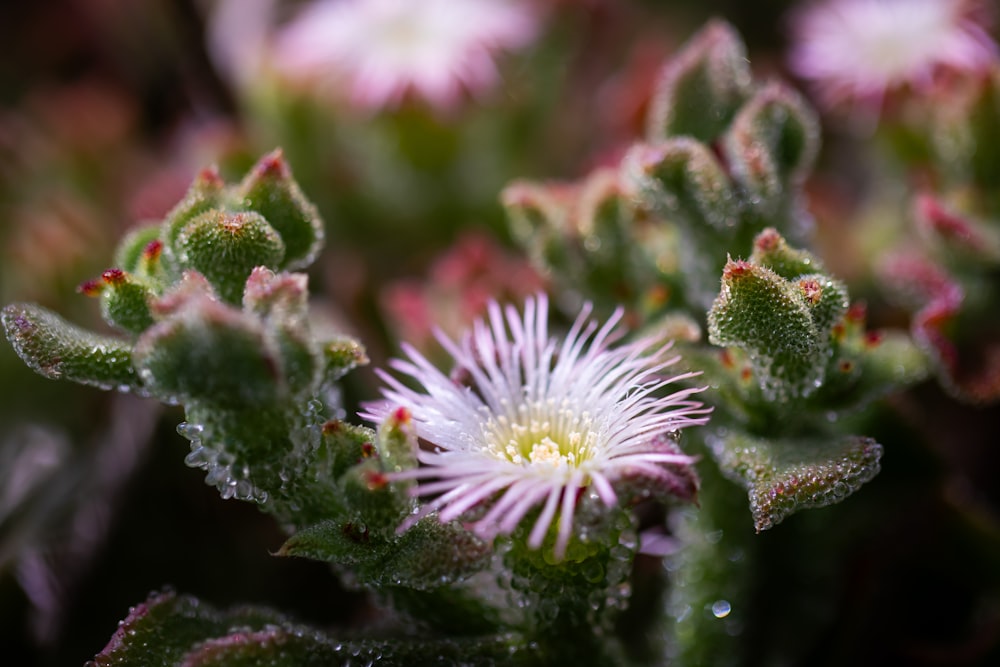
<point x="208" y="351"/>
<point x="428" y="556"/>
<point x="181" y="631"/>
<point x="772" y="144"/>
<point x="53" y="347"/>
<point x="702" y="86"/>
<point x="770" y="317"/>
<point x="125" y="301"/>
<point x="784" y="476"/>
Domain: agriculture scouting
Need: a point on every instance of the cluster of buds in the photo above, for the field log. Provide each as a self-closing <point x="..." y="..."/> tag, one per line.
<point x="719" y="175"/>
<point x="722" y="159"/>
<point x="211" y="316"/>
<point x="796" y="356"/>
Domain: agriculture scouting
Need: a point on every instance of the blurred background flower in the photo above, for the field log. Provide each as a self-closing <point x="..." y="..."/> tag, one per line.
<point x="858" y="51"/>
<point x="379" y="51"/>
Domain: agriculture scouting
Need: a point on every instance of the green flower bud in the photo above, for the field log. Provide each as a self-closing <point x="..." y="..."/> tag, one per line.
<point x="270" y="190"/>
<point x="226" y="247"/>
<point x="125" y="301"/>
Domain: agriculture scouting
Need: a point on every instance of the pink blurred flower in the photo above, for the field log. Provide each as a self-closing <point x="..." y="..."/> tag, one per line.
<point x="858" y="50"/>
<point x="381" y="50"/>
<point x="530" y="421"/>
<point x="462" y="281"/>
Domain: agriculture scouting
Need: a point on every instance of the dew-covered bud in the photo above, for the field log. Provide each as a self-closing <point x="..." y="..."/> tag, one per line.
<point x="226" y="247"/>
<point x="125" y="301"/>
<point x="270" y="191"/>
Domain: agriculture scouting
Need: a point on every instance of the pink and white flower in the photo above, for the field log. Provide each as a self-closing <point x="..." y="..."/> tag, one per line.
<point x="529" y="421"/>
<point x="861" y="49"/>
<point x="381" y="50"/>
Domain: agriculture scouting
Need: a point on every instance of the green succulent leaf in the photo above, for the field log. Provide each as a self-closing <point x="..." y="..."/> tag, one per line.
<point x="210" y="352"/>
<point x="56" y="349"/>
<point x="342" y="355"/>
<point x="205" y="194"/>
<point x="539" y="218"/>
<point x="429" y="555"/>
<point x="125" y="302"/>
<point x="682" y="176"/>
<point x="772" y="144"/>
<point x="784" y="476"/>
<point x="170" y="630"/>
<point x="702" y="86"/>
<point x="164" y="628"/>
<point x="770" y="249"/>
<point x="771" y="318"/>
<point x="135" y="245"/>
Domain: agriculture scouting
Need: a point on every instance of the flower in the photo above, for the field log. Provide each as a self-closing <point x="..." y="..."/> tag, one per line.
<point x="381" y="49"/>
<point x="460" y="284"/>
<point x="533" y="422"/>
<point x="861" y="49"/>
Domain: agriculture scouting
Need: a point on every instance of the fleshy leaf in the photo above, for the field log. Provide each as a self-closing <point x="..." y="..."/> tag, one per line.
<point x="771" y="145"/>
<point x="161" y="630"/>
<point x="429" y="555"/>
<point x="955" y="329"/>
<point x="205" y="194"/>
<point x="53" y="347"/>
<point x="345" y="445"/>
<point x="683" y="176"/>
<point x="682" y="180"/>
<point x="785" y="476"/>
<point x="539" y="218"/>
<point x="701" y="88"/>
<point x="591" y="237"/>
<point x="209" y="351"/>
<point x="771" y="250"/>
<point x="180" y="631"/>
<point x="301" y="647"/>
<point x="342" y="355"/>
<point x="135" y="245"/>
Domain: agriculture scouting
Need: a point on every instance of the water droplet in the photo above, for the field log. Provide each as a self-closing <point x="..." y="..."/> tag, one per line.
<point x="721" y="608"/>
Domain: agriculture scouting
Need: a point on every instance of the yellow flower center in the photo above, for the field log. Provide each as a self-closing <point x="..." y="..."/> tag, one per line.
<point x="541" y="433"/>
